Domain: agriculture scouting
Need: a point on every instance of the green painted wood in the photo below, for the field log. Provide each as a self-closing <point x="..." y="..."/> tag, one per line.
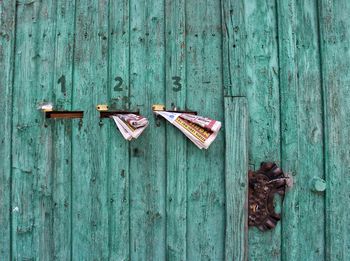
<point x="175" y="73"/>
<point x="233" y="47"/>
<point x="205" y="170"/>
<point x="62" y="131"/>
<point x="61" y="190"/>
<point x="147" y="164"/>
<point x="334" y="28"/>
<point x="89" y="151"/>
<point x="262" y="91"/>
<point x="302" y="146"/>
<point x="118" y="148"/>
<point x="236" y="181"/>
<point x="7" y="43"/>
<point x="80" y="188"/>
<point x="32" y="138"/>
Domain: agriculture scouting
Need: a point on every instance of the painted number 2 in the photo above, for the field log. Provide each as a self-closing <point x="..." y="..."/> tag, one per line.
<point x="118" y="87"/>
<point x="177" y="85"/>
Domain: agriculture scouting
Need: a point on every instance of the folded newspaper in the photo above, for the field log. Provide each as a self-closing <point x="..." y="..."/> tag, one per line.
<point x="200" y="130"/>
<point x="130" y="125"/>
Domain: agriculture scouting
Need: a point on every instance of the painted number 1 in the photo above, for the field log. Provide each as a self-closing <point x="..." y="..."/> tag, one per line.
<point x="62" y="81"/>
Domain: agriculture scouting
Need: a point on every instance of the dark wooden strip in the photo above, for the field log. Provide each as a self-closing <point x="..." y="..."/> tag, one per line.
<point x="107" y="114"/>
<point x="64" y="114"/>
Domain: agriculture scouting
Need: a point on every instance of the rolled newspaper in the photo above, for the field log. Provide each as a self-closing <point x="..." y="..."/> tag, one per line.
<point x="130" y="125"/>
<point x="200" y="130"/>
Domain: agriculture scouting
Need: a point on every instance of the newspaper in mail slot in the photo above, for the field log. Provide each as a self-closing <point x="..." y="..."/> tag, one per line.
<point x="130" y="125"/>
<point x="200" y="130"/>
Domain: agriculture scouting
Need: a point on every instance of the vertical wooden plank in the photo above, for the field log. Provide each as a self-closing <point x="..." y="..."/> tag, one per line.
<point x="31" y="142"/>
<point x="176" y="200"/>
<point x="205" y="173"/>
<point x="302" y="131"/>
<point x="233" y="47"/>
<point x="62" y="130"/>
<point x="90" y="207"/>
<point x="236" y="129"/>
<point x="236" y="182"/>
<point x="7" y="43"/>
<point x="61" y="189"/>
<point x="118" y="147"/>
<point x="262" y="91"/>
<point x="147" y="162"/>
<point x="334" y="28"/>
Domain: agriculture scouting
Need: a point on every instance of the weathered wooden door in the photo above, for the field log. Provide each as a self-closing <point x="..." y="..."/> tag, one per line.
<point x="75" y="190"/>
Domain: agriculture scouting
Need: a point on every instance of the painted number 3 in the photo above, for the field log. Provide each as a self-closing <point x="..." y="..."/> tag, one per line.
<point x="177" y="85"/>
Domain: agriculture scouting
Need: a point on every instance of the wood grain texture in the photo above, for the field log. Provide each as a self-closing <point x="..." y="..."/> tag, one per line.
<point x="262" y="92"/>
<point x="90" y="171"/>
<point x="205" y="189"/>
<point x="7" y="43"/>
<point x="302" y="129"/>
<point x="334" y="27"/>
<point x="62" y="131"/>
<point x="236" y="181"/>
<point x="76" y="190"/>
<point x="147" y="165"/>
<point x="118" y="147"/>
<point x="176" y="151"/>
<point x="32" y="137"/>
<point x="233" y="47"/>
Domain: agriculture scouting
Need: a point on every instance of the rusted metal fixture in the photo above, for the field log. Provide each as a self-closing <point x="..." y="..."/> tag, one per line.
<point x="263" y="185"/>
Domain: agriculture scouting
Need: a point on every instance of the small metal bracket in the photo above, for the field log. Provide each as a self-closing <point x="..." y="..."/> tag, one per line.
<point x="105" y="113"/>
<point x="263" y="185"/>
<point x="161" y="107"/>
<point x="50" y="113"/>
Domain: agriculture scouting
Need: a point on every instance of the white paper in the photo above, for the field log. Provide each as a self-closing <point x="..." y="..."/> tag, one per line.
<point x="130" y="125"/>
<point x="200" y="130"/>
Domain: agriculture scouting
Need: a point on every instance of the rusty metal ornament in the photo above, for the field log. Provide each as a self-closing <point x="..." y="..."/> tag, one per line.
<point x="263" y="185"/>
